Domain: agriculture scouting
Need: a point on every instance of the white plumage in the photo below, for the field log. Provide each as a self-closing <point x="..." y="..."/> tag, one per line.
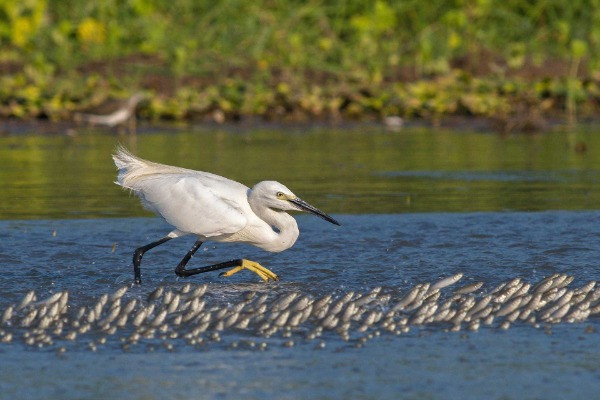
<point x="213" y="207"/>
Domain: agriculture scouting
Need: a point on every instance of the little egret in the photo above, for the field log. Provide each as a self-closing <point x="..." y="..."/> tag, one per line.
<point x="213" y="208"/>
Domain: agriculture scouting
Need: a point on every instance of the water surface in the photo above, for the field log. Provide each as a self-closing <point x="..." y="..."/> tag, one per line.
<point x="342" y="171"/>
<point x="415" y="206"/>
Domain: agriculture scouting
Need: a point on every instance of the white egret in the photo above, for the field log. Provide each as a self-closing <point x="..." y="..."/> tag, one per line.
<point x="213" y="208"/>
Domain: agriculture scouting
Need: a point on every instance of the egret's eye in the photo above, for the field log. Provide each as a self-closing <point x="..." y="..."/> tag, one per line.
<point x="280" y="195"/>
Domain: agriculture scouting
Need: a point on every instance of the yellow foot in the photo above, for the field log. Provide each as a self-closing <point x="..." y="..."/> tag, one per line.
<point x="255" y="267"/>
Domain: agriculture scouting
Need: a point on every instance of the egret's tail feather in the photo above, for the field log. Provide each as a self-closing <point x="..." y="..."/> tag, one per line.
<point x="124" y="159"/>
<point x="130" y="167"/>
<point x="133" y="171"/>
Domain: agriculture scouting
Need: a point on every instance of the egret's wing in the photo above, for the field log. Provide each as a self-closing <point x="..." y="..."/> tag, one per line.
<point x="195" y="203"/>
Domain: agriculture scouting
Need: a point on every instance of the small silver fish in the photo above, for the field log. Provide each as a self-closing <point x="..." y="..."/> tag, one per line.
<point x="407" y="299"/>
<point x="200" y="290"/>
<point x="588" y="287"/>
<point x="28" y="319"/>
<point x="451" y="280"/>
<point x="284" y="301"/>
<point x="7" y="314"/>
<point x="167" y="297"/>
<point x="159" y="318"/>
<point x="509" y="307"/>
<point x="470" y="288"/>
<point x="174" y="304"/>
<point x="322" y="302"/>
<point x="185" y="288"/>
<point x="28" y="298"/>
<point x="282" y="319"/>
<point x="118" y="293"/>
<point x="156" y="293"/>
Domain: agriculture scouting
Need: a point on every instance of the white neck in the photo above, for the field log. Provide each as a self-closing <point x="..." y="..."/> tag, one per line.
<point x="283" y="222"/>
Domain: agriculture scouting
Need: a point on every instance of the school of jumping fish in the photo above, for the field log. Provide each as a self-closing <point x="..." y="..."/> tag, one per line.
<point x="184" y="316"/>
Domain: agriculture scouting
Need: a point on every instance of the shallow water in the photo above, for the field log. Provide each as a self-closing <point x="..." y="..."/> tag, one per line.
<point x="493" y="365"/>
<point x="366" y="170"/>
<point x="392" y="251"/>
<point x="415" y="206"/>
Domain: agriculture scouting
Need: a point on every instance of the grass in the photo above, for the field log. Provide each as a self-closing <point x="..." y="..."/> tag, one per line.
<point x="515" y="62"/>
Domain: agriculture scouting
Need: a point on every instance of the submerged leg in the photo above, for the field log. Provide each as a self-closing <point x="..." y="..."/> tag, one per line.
<point x="139" y="253"/>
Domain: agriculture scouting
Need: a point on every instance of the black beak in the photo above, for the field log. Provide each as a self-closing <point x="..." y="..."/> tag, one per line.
<point x="304" y="206"/>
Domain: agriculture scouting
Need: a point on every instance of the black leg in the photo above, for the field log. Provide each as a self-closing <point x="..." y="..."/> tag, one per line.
<point x="261" y="271"/>
<point x="181" y="271"/>
<point x="139" y="253"/>
<point x="189" y="272"/>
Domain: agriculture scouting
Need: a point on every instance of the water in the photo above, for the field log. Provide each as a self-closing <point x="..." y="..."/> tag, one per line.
<point x="414" y="207"/>
<point x="342" y="171"/>
<point x="438" y="365"/>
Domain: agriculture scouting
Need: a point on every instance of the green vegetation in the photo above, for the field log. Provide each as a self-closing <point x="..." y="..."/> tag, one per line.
<point x="514" y="61"/>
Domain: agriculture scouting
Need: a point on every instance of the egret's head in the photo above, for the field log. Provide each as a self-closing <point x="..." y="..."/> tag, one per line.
<point x="277" y="196"/>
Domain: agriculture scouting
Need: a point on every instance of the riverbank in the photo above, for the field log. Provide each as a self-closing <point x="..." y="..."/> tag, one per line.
<point x="348" y="61"/>
<point x="506" y="105"/>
